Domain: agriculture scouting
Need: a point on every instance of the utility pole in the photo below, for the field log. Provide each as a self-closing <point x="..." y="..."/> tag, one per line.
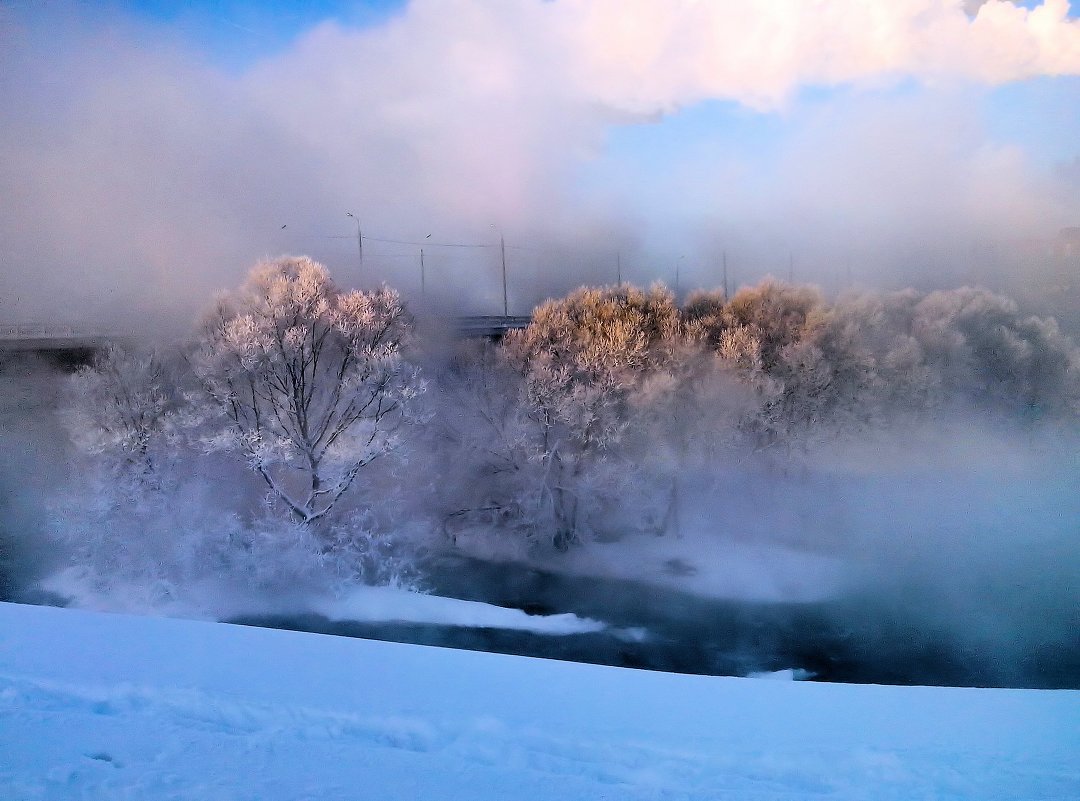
<point x="618" y="268"/>
<point x="726" y="296"/>
<point x="502" y="248"/>
<point x="791" y="267"/>
<point x="423" y="275"/>
<point x="359" y="241"/>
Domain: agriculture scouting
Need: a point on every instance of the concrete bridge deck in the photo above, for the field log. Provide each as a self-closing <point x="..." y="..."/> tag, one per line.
<point x="56" y="337"/>
<point x="489" y="326"/>
<point x="46" y="337"/>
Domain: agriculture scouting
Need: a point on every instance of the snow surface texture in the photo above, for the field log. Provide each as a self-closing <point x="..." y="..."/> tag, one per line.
<point x="101" y="706"/>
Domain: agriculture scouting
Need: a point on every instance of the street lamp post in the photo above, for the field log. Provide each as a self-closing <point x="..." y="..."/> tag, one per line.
<point x="726" y="295"/>
<point x="423" y="273"/>
<point x="502" y="248"/>
<point x="359" y="241"/>
<point x="502" y="252"/>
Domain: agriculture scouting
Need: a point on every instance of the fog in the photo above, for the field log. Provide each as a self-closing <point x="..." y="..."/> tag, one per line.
<point x="849" y="146"/>
<point x="955" y="532"/>
<point x="145" y="169"/>
<point x="915" y="526"/>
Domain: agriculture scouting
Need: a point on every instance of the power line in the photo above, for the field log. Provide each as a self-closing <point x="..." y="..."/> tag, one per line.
<point x="475" y="245"/>
<point x="425" y="243"/>
<point x="577" y="253"/>
<point x="565" y="251"/>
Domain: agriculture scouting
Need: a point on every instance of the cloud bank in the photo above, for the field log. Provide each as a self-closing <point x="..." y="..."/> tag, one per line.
<point x="661" y="54"/>
<point x="140" y="175"/>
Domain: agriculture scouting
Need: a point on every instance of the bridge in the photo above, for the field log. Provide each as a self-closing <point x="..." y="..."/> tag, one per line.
<point x="56" y="336"/>
<point x="73" y="338"/>
<point x="489" y="326"/>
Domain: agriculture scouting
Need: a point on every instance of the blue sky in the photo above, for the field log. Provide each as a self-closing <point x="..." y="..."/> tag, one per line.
<point x="1042" y="115"/>
<point x="235" y="33"/>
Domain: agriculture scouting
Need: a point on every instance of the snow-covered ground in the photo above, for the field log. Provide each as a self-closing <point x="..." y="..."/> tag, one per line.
<point x="105" y="706"/>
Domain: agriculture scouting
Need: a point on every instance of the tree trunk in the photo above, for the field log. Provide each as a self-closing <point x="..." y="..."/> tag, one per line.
<point x="565" y="508"/>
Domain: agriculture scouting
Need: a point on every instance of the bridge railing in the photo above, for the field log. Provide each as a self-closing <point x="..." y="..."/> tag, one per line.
<point x="489" y="325"/>
<point x="34" y="334"/>
<point x="22" y="331"/>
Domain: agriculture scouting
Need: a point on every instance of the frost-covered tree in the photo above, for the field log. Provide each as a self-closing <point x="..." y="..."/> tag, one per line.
<point x="687" y="420"/>
<point x="775" y="314"/>
<point x="124" y="414"/>
<point x="879" y="369"/>
<point x="988" y="353"/>
<point x="123" y="409"/>
<point x="879" y="358"/>
<point x="481" y="445"/>
<point x="750" y="335"/>
<point x="580" y="360"/>
<point x="306" y="383"/>
<point x="703" y="313"/>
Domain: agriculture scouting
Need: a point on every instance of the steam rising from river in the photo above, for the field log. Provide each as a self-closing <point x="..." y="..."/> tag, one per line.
<point x="143" y="175"/>
<point x="953" y="530"/>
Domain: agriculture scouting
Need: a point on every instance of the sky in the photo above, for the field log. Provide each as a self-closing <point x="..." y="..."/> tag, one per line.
<point x="151" y="153"/>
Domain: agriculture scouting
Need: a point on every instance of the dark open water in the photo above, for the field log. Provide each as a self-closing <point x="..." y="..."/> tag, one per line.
<point x="850" y="640"/>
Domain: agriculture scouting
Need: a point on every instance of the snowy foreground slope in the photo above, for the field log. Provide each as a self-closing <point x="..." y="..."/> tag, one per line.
<point x="101" y="706"/>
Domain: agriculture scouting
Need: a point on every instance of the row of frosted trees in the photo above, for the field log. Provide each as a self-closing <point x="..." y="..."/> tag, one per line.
<point x="582" y="424"/>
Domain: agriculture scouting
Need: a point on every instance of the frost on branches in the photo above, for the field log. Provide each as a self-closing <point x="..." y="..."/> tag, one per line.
<point x="124" y="416"/>
<point x="581" y="361"/>
<point x="123" y="410"/>
<point x="607" y="416"/>
<point x="308" y="384"/>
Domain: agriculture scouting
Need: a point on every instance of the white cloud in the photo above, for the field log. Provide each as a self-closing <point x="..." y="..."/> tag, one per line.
<point x="649" y="54"/>
<point x="134" y="163"/>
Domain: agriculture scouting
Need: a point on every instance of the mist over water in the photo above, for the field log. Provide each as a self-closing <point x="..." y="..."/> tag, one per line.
<point x="573" y="144"/>
<point x="940" y="551"/>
